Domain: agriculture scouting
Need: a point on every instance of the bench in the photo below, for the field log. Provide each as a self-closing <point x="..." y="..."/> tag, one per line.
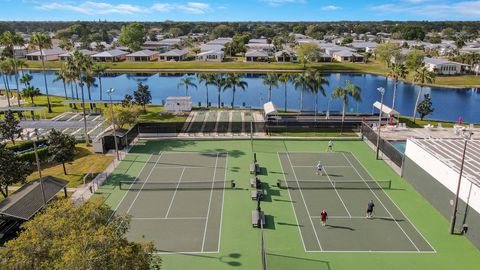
<point x="254" y="168"/>
<point x="255" y="183"/>
<point x="258" y="217"/>
<point x="255" y="194"/>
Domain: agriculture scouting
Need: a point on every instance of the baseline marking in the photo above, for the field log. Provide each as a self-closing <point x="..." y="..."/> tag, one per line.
<point x="170" y="218"/>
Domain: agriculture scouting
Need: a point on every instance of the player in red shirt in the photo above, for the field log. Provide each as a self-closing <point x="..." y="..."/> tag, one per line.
<point x="323" y="217"/>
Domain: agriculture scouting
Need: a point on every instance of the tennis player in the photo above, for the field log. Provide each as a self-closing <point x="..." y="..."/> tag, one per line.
<point x="330" y="146"/>
<point x="319" y="168"/>
<point x="370" y="209"/>
<point x="323" y="217"/>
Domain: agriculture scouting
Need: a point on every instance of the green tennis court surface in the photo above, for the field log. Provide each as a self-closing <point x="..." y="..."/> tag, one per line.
<point x="230" y="240"/>
<point x="176" y="201"/>
<point x="344" y="189"/>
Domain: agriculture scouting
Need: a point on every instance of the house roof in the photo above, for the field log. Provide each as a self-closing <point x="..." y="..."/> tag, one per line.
<point x="47" y="52"/>
<point x="439" y="61"/>
<point x="85" y="52"/>
<point x="256" y="53"/>
<point x="260" y="46"/>
<point x="210" y="47"/>
<point x="364" y="44"/>
<point x="175" y="52"/>
<point x="28" y="199"/>
<point x="258" y="41"/>
<point x="211" y="52"/>
<point x="344" y="53"/>
<point x="142" y="53"/>
<point x="280" y="53"/>
<point x="170" y="41"/>
<point x="219" y="41"/>
<point x="111" y="53"/>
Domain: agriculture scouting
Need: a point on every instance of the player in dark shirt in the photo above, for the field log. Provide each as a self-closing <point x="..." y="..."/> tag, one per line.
<point x="370" y="209"/>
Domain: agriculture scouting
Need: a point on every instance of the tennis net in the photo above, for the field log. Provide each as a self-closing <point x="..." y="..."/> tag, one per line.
<point x="345" y="184"/>
<point x="183" y="185"/>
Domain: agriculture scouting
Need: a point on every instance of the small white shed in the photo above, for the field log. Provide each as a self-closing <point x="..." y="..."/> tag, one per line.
<point x="178" y="104"/>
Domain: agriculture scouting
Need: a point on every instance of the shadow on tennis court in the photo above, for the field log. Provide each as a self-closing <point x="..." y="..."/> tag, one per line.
<point x="230" y="259"/>
<point x="289" y="224"/>
<point x="340" y="227"/>
<point x="278" y="261"/>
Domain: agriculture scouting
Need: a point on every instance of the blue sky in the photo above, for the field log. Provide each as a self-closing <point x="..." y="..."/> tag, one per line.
<point x="240" y="10"/>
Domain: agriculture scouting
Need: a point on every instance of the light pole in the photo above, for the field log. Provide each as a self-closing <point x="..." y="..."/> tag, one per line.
<point x="467" y="136"/>
<point x="110" y="92"/>
<point x="34" y="140"/>
<point x="382" y="92"/>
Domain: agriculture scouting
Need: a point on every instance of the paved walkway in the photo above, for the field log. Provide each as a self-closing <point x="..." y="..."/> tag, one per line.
<point x="390" y="134"/>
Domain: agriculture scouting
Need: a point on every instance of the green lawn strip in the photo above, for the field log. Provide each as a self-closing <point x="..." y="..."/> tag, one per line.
<point x="85" y="161"/>
<point x="154" y="115"/>
<point x="240" y="243"/>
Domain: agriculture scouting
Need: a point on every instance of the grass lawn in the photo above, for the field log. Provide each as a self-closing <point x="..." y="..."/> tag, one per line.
<point x="421" y="123"/>
<point x="154" y="115"/>
<point x="240" y="243"/>
<point x="85" y="161"/>
<point x="315" y="134"/>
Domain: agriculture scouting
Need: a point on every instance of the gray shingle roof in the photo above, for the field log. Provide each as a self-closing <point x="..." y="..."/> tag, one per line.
<point x="111" y="53"/>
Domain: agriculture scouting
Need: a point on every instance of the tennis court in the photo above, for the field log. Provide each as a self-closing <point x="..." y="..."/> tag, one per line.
<point x="176" y="201"/>
<point x="344" y="191"/>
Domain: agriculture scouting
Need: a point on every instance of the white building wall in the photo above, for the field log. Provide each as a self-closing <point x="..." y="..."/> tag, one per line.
<point x="444" y="174"/>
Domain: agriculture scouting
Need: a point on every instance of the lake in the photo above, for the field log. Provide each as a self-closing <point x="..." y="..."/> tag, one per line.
<point x="449" y="103"/>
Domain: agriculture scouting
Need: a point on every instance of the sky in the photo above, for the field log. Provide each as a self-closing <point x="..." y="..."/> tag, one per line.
<point x="240" y="10"/>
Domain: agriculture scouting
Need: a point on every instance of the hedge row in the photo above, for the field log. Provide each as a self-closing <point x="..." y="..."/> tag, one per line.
<point x="25" y="145"/>
<point x="30" y="156"/>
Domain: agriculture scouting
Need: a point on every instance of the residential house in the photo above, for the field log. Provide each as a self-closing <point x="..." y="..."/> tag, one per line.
<point x="19" y="51"/>
<point x="143" y="56"/>
<point x="115" y="55"/>
<point x="48" y="55"/>
<point x="152" y="45"/>
<point x="174" y="55"/>
<point x="364" y="46"/>
<point x="285" y="56"/>
<point x="347" y="56"/>
<point x="257" y="56"/>
<point x="67" y="55"/>
<point x="211" y="56"/>
<point x="211" y="47"/>
<point x="220" y="41"/>
<point x="444" y="67"/>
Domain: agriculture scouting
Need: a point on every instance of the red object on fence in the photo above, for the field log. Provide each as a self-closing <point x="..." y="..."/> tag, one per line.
<point x="460" y="120"/>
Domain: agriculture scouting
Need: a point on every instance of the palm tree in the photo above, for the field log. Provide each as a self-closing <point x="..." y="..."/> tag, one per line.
<point x="42" y="41"/>
<point x="396" y="72"/>
<point x="208" y="79"/>
<point x="219" y="82"/>
<point x="233" y="81"/>
<point x="25" y="79"/>
<point x="9" y="41"/>
<point x="300" y="83"/>
<point x="285" y="79"/>
<point x="422" y="76"/>
<point x="98" y="70"/>
<point x="60" y="75"/>
<point x="271" y="80"/>
<point x="89" y="81"/>
<point x="186" y="82"/>
<point x="31" y="92"/>
<point x="6" y="70"/>
<point x="350" y="90"/>
<point x="315" y="82"/>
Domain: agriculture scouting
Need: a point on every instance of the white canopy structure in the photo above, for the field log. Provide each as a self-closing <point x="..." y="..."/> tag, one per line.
<point x="269" y="108"/>
<point x="385" y="109"/>
<point x="178" y="104"/>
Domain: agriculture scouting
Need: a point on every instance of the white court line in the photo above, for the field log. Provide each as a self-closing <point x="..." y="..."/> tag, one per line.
<point x="354" y="217"/>
<point x="291" y="202"/>
<point x="175" y="193"/>
<point x="170" y="218"/>
<point x="374" y="194"/>
<point x="434" y="250"/>
<point x="162" y="167"/>
<point x="301" y="166"/>
<point x="146" y="180"/>
<point x="223" y="200"/>
<point x="125" y="195"/>
<point x="303" y="199"/>
<point x="373" y="251"/>
<point x="210" y="201"/>
<point x="336" y="191"/>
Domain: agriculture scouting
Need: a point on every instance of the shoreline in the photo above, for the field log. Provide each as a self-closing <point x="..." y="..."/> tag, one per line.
<point x="261" y="70"/>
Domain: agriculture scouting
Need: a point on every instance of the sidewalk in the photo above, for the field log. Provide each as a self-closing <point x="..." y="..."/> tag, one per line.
<point x="84" y="193"/>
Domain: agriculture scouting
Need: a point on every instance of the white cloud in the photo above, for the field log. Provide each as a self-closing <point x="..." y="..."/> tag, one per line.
<point x="441" y="10"/>
<point x="330" y="8"/>
<point x="96" y="8"/>
<point x="276" y="3"/>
